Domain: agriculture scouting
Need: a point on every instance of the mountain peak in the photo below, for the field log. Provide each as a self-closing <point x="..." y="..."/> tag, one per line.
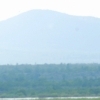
<point x="45" y="36"/>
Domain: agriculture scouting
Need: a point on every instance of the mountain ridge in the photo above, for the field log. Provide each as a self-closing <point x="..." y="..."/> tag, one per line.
<point x="45" y="36"/>
<point x="92" y="17"/>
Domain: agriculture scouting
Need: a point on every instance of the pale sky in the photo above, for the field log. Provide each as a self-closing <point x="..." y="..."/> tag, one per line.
<point x="9" y="8"/>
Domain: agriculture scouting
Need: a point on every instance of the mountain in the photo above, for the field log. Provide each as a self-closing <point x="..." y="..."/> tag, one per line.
<point x="44" y="36"/>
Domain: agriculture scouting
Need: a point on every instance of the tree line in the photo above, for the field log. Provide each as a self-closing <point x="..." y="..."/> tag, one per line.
<point x="45" y="80"/>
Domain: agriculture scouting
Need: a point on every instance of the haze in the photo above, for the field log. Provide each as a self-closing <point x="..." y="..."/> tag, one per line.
<point x="58" y="32"/>
<point x="9" y="8"/>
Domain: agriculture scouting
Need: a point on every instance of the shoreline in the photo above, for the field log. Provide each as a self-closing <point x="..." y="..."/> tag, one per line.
<point x="34" y="98"/>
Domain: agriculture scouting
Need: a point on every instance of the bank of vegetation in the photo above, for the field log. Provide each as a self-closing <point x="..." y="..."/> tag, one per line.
<point x="49" y="80"/>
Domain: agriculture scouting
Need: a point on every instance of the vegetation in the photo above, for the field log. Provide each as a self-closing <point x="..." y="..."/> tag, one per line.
<point x="53" y="99"/>
<point x="50" y="80"/>
<point x="66" y="99"/>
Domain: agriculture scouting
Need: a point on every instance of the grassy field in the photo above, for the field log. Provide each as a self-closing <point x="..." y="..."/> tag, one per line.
<point x="76" y="99"/>
<point x="73" y="99"/>
<point x="70" y="99"/>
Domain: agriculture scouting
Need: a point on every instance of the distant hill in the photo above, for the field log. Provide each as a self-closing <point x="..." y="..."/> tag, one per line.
<point x="45" y="36"/>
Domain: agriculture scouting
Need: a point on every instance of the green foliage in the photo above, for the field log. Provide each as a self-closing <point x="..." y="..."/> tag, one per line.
<point x="50" y="80"/>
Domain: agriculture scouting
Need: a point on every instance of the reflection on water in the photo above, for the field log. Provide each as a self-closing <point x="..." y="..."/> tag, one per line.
<point x="35" y="98"/>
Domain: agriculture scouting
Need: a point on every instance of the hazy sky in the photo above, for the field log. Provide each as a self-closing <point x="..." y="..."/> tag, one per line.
<point x="9" y="8"/>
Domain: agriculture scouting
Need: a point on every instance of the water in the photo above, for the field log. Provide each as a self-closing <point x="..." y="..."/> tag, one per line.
<point x="47" y="98"/>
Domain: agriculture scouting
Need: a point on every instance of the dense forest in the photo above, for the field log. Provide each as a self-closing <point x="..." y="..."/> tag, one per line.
<point x="53" y="80"/>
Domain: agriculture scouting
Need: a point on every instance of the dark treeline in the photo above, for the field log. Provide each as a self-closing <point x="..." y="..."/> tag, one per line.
<point x="49" y="80"/>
